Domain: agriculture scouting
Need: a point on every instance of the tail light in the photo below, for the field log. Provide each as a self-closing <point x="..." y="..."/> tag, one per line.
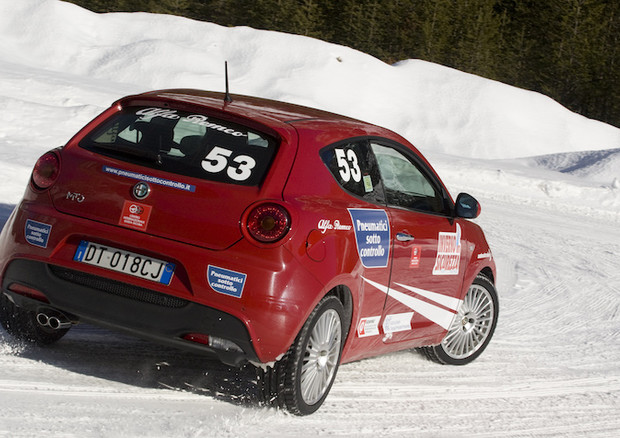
<point x="213" y="342"/>
<point x="46" y="171"/>
<point x="268" y="222"/>
<point x="28" y="292"/>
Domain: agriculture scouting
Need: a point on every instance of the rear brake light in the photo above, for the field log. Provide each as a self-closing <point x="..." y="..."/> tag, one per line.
<point x="28" y="292"/>
<point x="212" y="341"/>
<point x="197" y="337"/>
<point x="46" y="171"/>
<point x="268" y="222"/>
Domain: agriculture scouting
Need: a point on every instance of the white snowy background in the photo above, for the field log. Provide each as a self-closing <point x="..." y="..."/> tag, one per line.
<point x="548" y="181"/>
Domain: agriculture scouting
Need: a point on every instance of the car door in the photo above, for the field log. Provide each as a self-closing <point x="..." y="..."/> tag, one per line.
<point x="427" y="247"/>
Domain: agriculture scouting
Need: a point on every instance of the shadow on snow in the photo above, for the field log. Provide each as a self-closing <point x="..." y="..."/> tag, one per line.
<point x="100" y="353"/>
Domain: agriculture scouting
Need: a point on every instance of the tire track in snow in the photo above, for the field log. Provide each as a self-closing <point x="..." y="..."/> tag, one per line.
<point x="530" y="389"/>
<point x="41" y="388"/>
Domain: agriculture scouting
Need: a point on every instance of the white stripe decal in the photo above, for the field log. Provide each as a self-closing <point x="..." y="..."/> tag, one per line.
<point x="382" y="288"/>
<point x="444" y="300"/>
<point x="438" y="315"/>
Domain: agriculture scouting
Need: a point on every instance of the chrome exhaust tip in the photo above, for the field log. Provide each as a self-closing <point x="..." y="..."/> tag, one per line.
<point x="42" y="319"/>
<point x="55" y="321"/>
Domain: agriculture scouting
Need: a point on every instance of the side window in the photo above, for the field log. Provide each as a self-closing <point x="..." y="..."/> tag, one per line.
<point x="406" y="184"/>
<point x="354" y="167"/>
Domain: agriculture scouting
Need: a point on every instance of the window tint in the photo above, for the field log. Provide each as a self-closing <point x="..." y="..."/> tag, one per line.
<point x="406" y="184"/>
<point x="185" y="143"/>
<point x="354" y="167"/>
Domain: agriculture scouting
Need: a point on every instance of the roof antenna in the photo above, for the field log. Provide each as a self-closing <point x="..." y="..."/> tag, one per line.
<point x="227" y="97"/>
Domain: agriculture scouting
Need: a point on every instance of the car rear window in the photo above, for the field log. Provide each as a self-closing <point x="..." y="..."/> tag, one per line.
<point x="185" y="143"/>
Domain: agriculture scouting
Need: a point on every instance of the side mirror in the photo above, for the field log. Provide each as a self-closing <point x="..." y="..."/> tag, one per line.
<point x="467" y="207"/>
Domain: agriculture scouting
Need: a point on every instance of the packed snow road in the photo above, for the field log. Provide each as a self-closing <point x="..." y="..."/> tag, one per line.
<point x="552" y="369"/>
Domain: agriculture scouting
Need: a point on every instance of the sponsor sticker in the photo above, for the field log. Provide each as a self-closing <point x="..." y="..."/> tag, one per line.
<point x="326" y="224"/>
<point x="196" y="119"/>
<point x="416" y="251"/>
<point x="37" y="233"/>
<point x="368" y="327"/>
<point x="149" y="179"/>
<point x="448" y="253"/>
<point x="226" y="281"/>
<point x="372" y="236"/>
<point x="398" y="322"/>
<point x="135" y="215"/>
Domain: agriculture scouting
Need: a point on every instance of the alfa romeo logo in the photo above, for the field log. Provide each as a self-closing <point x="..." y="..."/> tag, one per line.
<point x="141" y="190"/>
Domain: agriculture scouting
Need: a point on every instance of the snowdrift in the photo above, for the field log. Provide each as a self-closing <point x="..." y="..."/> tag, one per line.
<point x="435" y="107"/>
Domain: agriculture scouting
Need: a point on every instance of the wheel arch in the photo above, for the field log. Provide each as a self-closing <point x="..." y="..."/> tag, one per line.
<point x="485" y="269"/>
<point x="344" y="295"/>
<point x="488" y="273"/>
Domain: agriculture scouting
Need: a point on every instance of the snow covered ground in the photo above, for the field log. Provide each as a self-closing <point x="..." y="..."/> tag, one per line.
<point x="548" y="180"/>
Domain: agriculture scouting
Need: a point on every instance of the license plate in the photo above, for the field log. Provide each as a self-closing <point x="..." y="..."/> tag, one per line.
<point x="127" y="262"/>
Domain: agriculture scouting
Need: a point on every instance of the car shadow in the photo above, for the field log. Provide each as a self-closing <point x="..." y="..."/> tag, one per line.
<point x="108" y="355"/>
<point x="5" y="212"/>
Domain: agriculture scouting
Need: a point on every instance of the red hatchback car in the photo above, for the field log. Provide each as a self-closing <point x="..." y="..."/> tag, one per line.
<point x="257" y="231"/>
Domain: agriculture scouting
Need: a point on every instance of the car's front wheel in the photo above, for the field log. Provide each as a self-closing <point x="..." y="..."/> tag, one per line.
<point x="472" y="327"/>
<point x="301" y="381"/>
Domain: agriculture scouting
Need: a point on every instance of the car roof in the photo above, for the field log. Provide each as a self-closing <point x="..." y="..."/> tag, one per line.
<point x="316" y="128"/>
<point x="265" y="111"/>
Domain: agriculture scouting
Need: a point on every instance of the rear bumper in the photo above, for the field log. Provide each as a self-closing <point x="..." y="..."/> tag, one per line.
<point x="136" y="310"/>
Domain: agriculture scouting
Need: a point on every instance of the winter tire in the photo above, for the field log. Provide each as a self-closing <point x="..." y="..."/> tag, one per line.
<point x="472" y="327"/>
<point x="301" y="381"/>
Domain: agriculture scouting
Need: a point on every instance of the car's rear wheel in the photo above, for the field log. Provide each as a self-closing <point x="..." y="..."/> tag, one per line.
<point x="472" y="328"/>
<point x="22" y="324"/>
<point x="301" y="381"/>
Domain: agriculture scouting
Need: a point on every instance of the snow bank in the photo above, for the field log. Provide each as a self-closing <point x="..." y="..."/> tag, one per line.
<point x="437" y="108"/>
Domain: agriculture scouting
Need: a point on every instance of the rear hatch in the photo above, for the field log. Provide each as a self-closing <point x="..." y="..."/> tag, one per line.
<point x="176" y="174"/>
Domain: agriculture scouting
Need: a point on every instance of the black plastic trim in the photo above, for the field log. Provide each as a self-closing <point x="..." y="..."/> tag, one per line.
<point x="160" y="323"/>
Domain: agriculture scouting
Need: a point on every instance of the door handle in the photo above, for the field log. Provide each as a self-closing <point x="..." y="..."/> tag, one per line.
<point x="404" y="237"/>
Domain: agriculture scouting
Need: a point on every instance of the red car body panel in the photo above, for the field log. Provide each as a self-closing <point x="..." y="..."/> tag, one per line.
<point x="406" y="303"/>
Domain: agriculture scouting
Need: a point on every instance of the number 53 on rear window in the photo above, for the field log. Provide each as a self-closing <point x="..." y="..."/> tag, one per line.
<point x="238" y="168"/>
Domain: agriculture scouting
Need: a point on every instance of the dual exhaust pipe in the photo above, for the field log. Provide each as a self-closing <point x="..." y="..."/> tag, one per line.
<point x="53" y="320"/>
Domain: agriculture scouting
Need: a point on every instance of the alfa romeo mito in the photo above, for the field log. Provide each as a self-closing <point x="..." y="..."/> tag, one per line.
<point x="256" y="231"/>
